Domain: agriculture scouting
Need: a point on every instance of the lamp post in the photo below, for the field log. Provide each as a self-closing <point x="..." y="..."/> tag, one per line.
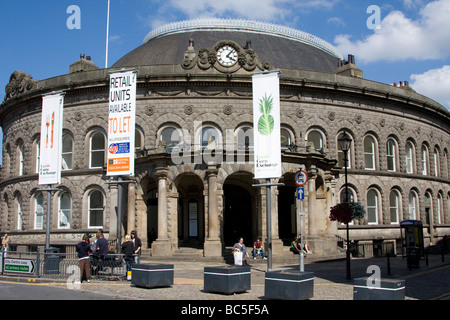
<point x="345" y="142"/>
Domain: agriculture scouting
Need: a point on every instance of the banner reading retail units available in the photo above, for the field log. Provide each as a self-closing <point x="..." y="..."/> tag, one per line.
<point x="51" y="133"/>
<point x="266" y="125"/>
<point x="122" y="117"/>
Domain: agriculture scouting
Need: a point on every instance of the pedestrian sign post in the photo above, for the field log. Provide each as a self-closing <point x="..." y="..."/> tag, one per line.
<point x="19" y="266"/>
<point x="301" y="177"/>
<point x="300" y="193"/>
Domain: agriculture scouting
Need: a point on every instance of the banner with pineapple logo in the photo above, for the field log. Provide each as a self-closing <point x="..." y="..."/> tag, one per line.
<point x="266" y="125"/>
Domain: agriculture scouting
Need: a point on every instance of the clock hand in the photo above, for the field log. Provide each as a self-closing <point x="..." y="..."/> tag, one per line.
<point x="230" y="57"/>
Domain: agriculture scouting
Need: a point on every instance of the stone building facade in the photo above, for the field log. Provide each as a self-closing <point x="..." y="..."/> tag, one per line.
<point x="193" y="182"/>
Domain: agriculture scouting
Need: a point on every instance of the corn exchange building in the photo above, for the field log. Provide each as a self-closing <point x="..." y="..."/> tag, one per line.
<point x="194" y="166"/>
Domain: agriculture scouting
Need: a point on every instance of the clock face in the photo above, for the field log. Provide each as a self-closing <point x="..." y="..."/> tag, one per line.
<point x="227" y="56"/>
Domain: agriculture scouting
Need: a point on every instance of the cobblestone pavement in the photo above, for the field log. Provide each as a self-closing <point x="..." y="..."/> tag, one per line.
<point x="330" y="281"/>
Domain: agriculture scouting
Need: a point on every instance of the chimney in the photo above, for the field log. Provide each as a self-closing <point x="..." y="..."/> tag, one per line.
<point x="82" y="64"/>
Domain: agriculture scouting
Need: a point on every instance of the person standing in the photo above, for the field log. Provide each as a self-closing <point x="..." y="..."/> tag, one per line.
<point x="101" y="249"/>
<point x="5" y="242"/>
<point x="83" y="248"/>
<point x="128" y="252"/>
<point x="137" y="246"/>
<point x="240" y="247"/>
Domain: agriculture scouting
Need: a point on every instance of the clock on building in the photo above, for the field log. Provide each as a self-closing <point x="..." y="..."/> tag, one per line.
<point x="227" y="56"/>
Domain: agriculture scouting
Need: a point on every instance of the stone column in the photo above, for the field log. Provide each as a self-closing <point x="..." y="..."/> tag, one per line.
<point x="112" y="212"/>
<point x="161" y="247"/>
<point x="212" y="246"/>
<point x="131" y="210"/>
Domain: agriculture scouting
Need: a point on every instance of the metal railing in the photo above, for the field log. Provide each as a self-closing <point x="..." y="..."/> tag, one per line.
<point x="61" y="266"/>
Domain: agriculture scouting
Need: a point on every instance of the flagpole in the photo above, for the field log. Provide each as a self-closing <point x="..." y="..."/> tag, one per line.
<point x="107" y="36"/>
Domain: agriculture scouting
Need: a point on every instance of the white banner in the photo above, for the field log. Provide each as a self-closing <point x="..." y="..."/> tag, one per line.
<point x="51" y="139"/>
<point x="266" y="125"/>
<point x="122" y="118"/>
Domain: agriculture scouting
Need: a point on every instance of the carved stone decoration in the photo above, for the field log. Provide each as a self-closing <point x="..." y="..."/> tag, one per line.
<point x="19" y="83"/>
<point x="78" y="116"/>
<point x="228" y="110"/>
<point x="358" y="119"/>
<point x="206" y="58"/>
<point x="149" y="110"/>
<point x="300" y="113"/>
<point x="188" y="110"/>
<point x="331" y="115"/>
<point x="190" y="56"/>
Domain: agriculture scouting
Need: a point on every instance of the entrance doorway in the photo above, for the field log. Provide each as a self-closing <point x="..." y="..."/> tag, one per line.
<point x="191" y="224"/>
<point x="239" y="214"/>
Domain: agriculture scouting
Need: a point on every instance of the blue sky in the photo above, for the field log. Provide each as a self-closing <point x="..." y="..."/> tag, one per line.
<point x="412" y="43"/>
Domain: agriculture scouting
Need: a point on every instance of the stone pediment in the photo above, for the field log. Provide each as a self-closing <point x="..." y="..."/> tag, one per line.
<point x="19" y="83"/>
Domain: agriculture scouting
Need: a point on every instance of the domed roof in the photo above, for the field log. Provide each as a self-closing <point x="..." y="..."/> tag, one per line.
<point x="282" y="47"/>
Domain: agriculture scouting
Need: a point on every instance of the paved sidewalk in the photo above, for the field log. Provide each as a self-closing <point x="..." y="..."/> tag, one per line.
<point x="330" y="281"/>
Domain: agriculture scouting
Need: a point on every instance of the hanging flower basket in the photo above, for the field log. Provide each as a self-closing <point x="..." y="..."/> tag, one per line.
<point x="346" y="212"/>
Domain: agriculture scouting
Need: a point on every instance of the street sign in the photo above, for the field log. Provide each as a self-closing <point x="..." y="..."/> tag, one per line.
<point x="19" y="266"/>
<point x="300" y="193"/>
<point x="301" y="177"/>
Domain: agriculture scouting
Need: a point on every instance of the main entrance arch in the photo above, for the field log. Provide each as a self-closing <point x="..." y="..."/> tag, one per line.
<point x="191" y="224"/>
<point x="239" y="212"/>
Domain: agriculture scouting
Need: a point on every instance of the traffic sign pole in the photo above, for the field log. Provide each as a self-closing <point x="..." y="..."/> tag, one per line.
<point x="301" y="178"/>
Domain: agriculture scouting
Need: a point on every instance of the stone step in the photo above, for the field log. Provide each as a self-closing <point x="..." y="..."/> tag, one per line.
<point x="196" y="254"/>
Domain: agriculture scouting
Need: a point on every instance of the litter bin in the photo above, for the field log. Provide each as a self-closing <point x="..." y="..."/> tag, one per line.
<point x="152" y="275"/>
<point x="51" y="260"/>
<point x="412" y="258"/>
<point x="386" y="289"/>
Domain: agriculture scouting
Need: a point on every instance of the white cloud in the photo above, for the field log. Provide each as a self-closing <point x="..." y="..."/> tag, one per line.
<point x="434" y="84"/>
<point x="401" y="38"/>
<point x="336" y="21"/>
<point x="251" y="9"/>
<point x="265" y="10"/>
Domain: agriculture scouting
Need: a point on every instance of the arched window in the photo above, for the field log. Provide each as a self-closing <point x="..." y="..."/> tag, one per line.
<point x="369" y="153"/>
<point x="394" y="206"/>
<point x="245" y="138"/>
<point x="138" y="140"/>
<point x="96" y="209"/>
<point x="391" y="154"/>
<point x="21" y="158"/>
<point x="437" y="164"/>
<point x="316" y="138"/>
<point x="351" y="195"/>
<point x="65" y="209"/>
<point x="171" y="137"/>
<point x="341" y="155"/>
<point x="97" y="150"/>
<point x="372" y="206"/>
<point x="39" y="212"/>
<point x="210" y="138"/>
<point x="440" y="209"/>
<point x="19" y="212"/>
<point x="445" y="174"/>
<point x="428" y="207"/>
<point x="67" y="152"/>
<point x="424" y="160"/>
<point x="285" y="139"/>
<point x="412" y="205"/>
<point x="409" y="157"/>
<point x="37" y="154"/>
